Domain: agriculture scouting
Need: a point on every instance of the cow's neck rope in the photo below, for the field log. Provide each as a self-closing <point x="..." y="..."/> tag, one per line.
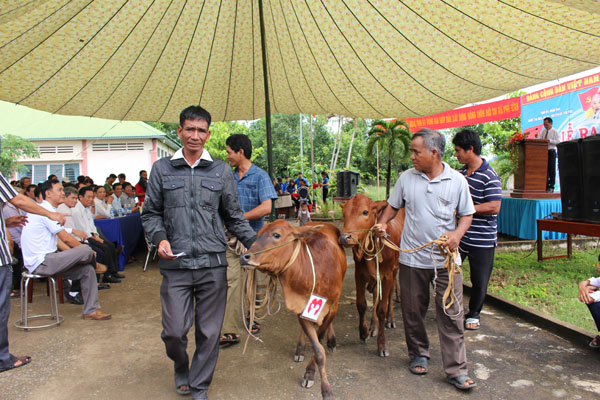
<point x="250" y="285"/>
<point x="372" y="248"/>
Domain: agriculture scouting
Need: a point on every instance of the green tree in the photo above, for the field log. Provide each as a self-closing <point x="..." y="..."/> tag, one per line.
<point x="170" y="128"/>
<point x="393" y="138"/>
<point x="13" y="149"/>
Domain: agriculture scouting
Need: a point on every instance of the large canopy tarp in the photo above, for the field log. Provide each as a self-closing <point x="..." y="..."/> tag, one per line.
<point x="148" y="59"/>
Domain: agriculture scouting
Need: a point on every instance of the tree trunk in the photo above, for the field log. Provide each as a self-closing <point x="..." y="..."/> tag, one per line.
<point x="350" y="148"/>
<point x="341" y="140"/>
<point x="389" y="178"/>
<point x="334" y="149"/>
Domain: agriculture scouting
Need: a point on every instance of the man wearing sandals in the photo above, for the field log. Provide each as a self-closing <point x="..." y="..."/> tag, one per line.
<point x="479" y="243"/>
<point x="256" y="193"/>
<point x="189" y="198"/>
<point x="8" y="194"/>
<point x="433" y="196"/>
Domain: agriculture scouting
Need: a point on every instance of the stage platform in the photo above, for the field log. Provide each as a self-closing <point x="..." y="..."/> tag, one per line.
<point x="518" y="217"/>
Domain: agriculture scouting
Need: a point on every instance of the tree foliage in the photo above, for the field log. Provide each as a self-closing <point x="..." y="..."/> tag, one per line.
<point x="14" y="148"/>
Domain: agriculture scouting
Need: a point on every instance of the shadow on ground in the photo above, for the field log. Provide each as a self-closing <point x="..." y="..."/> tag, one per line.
<point x="124" y="358"/>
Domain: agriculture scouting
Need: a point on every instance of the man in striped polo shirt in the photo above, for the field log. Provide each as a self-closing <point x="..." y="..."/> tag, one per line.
<point x="479" y="243"/>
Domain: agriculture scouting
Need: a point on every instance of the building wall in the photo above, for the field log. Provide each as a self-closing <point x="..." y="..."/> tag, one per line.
<point x="98" y="158"/>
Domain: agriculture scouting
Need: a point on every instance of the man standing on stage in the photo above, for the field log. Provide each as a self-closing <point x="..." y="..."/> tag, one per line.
<point x="434" y="197"/>
<point x="479" y="243"/>
<point x="554" y="138"/>
<point x="190" y="198"/>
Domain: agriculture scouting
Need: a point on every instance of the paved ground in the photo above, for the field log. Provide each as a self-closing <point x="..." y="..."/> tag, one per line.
<point x="124" y="358"/>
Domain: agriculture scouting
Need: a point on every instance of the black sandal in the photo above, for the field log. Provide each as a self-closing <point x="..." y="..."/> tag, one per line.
<point x="24" y="361"/>
<point x="229" y="339"/>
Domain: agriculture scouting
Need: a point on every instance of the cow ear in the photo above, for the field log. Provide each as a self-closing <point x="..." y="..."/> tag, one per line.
<point x="378" y="206"/>
<point x="305" y="231"/>
<point x="343" y="203"/>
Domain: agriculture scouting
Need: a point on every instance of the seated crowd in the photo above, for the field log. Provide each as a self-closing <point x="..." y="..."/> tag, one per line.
<point x="78" y="251"/>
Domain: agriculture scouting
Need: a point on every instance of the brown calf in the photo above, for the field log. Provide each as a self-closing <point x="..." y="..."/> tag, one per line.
<point x="272" y="252"/>
<point x="360" y="214"/>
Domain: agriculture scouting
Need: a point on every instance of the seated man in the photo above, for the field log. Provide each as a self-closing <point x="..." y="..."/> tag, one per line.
<point x="101" y="203"/>
<point x="84" y="221"/>
<point x="40" y="238"/>
<point x="127" y="199"/>
<point x="116" y="195"/>
<point x="589" y="294"/>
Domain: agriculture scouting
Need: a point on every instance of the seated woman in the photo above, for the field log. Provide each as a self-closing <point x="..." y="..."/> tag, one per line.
<point x="102" y="204"/>
<point x="590" y="295"/>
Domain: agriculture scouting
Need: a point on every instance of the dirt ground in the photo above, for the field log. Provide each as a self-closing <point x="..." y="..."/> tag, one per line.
<point x="124" y="358"/>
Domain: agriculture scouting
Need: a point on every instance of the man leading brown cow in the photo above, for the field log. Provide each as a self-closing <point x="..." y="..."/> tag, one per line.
<point x="433" y="196"/>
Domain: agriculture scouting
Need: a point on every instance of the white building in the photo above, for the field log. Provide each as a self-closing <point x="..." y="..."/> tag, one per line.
<point x="71" y="146"/>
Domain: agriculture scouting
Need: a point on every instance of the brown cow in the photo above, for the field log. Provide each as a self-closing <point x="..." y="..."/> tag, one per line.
<point x="297" y="278"/>
<point x="360" y="214"/>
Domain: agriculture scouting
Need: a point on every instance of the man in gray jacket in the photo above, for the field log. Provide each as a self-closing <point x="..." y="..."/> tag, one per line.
<point x="190" y="197"/>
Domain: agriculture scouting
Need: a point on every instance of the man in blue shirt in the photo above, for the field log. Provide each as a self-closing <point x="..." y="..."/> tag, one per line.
<point x="479" y="243"/>
<point x="256" y="194"/>
<point x="300" y="177"/>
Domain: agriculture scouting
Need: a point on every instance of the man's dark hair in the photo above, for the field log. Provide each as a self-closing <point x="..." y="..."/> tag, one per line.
<point x="52" y="177"/>
<point x="81" y="179"/>
<point x="37" y="192"/>
<point x="121" y="175"/>
<point x="324" y="173"/>
<point x="84" y="190"/>
<point x="548" y="119"/>
<point x="467" y="138"/>
<point x="142" y="171"/>
<point x="192" y="113"/>
<point x="22" y="181"/>
<point x="96" y="187"/>
<point x="117" y="184"/>
<point x="299" y="173"/>
<point x="112" y="176"/>
<point x="30" y="186"/>
<point x="126" y="184"/>
<point x="279" y="179"/>
<point x="239" y="142"/>
<point x="69" y="190"/>
<point x="45" y="186"/>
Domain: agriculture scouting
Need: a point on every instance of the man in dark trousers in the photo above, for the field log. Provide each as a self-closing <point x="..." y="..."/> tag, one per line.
<point x="479" y="243"/>
<point x="189" y="201"/>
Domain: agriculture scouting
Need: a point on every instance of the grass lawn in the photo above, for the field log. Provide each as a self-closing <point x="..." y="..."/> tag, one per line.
<point x="549" y="286"/>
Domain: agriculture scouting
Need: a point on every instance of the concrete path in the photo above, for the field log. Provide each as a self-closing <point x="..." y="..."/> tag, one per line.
<point x="124" y="358"/>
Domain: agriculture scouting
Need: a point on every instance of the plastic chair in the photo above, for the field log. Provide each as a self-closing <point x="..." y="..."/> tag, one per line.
<point x="23" y="323"/>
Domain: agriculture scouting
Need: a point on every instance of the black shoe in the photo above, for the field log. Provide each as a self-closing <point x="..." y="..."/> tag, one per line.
<point x="77" y="300"/>
<point x="118" y="276"/>
<point x="110" y="279"/>
<point x="102" y="286"/>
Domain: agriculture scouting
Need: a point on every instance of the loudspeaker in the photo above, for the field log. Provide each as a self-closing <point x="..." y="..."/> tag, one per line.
<point x="347" y="183"/>
<point x="571" y="179"/>
<point x="590" y="152"/>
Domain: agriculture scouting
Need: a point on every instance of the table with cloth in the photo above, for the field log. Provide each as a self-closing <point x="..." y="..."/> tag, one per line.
<point x="124" y="231"/>
<point x="518" y="217"/>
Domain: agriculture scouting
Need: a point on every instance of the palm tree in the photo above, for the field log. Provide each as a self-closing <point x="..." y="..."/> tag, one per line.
<point x="393" y="137"/>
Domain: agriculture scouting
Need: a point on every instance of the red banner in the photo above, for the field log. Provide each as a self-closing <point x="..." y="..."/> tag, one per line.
<point x="562" y="88"/>
<point x="495" y="111"/>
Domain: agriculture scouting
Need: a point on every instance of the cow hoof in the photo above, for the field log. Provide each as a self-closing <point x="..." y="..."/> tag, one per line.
<point x="332" y="349"/>
<point x="384" y="353"/>
<point x="391" y="325"/>
<point x="298" y="358"/>
<point x="307" y="383"/>
<point x="374" y="333"/>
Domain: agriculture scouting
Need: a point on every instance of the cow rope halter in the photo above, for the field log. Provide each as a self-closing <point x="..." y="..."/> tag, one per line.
<point x="250" y="285"/>
<point x="373" y="245"/>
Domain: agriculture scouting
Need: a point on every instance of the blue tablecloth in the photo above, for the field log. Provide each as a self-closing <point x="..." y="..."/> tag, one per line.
<point x="518" y="217"/>
<point x="125" y="231"/>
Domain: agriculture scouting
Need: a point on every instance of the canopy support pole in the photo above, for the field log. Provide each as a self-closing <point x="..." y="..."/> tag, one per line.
<point x="263" y="45"/>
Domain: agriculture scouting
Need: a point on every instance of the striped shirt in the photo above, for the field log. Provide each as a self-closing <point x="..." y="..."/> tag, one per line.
<point x="6" y="193"/>
<point x="484" y="186"/>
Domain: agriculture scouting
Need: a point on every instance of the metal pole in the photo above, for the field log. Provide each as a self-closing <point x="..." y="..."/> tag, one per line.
<point x="312" y="156"/>
<point x="301" y="148"/>
<point x="263" y="44"/>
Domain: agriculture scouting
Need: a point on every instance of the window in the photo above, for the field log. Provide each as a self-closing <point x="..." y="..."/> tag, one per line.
<point x="117" y="146"/>
<point x="55" y="149"/>
<point x="40" y="172"/>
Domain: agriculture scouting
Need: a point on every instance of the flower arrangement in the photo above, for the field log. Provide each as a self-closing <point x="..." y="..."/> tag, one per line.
<point x="515" y="139"/>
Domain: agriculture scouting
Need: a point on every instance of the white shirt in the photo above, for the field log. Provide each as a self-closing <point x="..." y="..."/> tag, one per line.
<point x="553" y="137"/>
<point x="127" y="201"/>
<point x="84" y="219"/>
<point x="65" y="209"/>
<point x="205" y="156"/>
<point x="116" y="204"/>
<point x="39" y="238"/>
<point x="102" y="208"/>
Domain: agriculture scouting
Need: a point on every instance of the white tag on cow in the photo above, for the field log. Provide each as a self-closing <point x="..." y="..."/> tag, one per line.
<point x="458" y="259"/>
<point x="313" y="308"/>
